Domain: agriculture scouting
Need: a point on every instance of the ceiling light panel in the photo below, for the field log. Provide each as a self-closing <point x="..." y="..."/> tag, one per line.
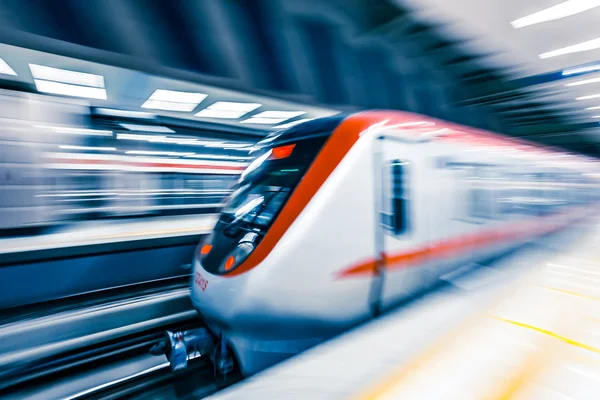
<point x="593" y="108"/>
<point x="576" y="48"/>
<point x="70" y="90"/>
<point x="228" y="110"/>
<point x="218" y="157"/>
<point x="265" y="121"/>
<point x="293" y="123"/>
<point x="591" y="96"/>
<point x="68" y="83"/>
<point x="171" y="100"/>
<point x="6" y="69"/>
<point x="159" y="153"/>
<point x="583" y="82"/>
<point x="69" y="147"/>
<point x="272" y="117"/>
<point x="65" y="76"/>
<point x="581" y="70"/>
<point x="147" y="128"/>
<point x="124" y="113"/>
<point x="279" y="114"/>
<point x="75" y="131"/>
<point x="562" y="10"/>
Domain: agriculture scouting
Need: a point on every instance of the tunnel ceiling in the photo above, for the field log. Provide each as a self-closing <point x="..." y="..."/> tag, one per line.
<point x="343" y="54"/>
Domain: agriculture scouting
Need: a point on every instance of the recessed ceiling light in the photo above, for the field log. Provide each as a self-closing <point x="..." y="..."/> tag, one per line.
<point x="576" y="48"/>
<point x="68" y="83"/>
<point x="158" y="153"/>
<point x="66" y="76"/>
<point x="279" y="114"/>
<point x="171" y="100"/>
<point x="136" y="136"/>
<point x="265" y="121"/>
<point x="562" y="10"/>
<point x="293" y="123"/>
<point x="581" y="70"/>
<point x="217" y="157"/>
<point x="75" y="131"/>
<point x="272" y="117"/>
<point x="147" y="128"/>
<point x="591" y="96"/>
<point x="226" y="145"/>
<point x="70" y="90"/>
<point x="593" y="108"/>
<point x="227" y="109"/>
<point x="69" y="147"/>
<point x="6" y="69"/>
<point x="583" y="82"/>
<point x="124" y="113"/>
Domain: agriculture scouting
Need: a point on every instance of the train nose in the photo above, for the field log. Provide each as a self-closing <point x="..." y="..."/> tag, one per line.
<point x="211" y="294"/>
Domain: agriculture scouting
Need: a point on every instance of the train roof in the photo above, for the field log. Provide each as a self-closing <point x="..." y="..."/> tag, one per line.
<point x="316" y="127"/>
<point x="417" y="125"/>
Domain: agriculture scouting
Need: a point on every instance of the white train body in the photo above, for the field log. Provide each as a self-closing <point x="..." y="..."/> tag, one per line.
<point x="388" y="203"/>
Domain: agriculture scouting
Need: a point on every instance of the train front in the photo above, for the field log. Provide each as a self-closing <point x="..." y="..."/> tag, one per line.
<point x="233" y="264"/>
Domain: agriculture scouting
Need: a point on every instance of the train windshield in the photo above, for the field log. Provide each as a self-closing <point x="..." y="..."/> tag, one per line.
<point x="266" y="185"/>
<point x="261" y="193"/>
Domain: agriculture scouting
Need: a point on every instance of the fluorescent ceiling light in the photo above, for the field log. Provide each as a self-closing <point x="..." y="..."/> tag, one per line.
<point x="147" y="128"/>
<point x="135" y="136"/>
<point x="593" y="108"/>
<point x="290" y="124"/>
<point x="562" y="10"/>
<point x="581" y="70"/>
<point x="596" y="116"/>
<point x="65" y="76"/>
<point x="175" y="140"/>
<point x="576" y="48"/>
<point x="158" y="153"/>
<point x="216" y="157"/>
<point x="170" y="100"/>
<point x="75" y="131"/>
<point x="583" y="82"/>
<point x="6" y="69"/>
<point x="279" y="114"/>
<point x="227" y="109"/>
<point x="198" y="143"/>
<point x="124" y="113"/>
<point x="226" y="145"/>
<point x="591" y="96"/>
<point x="241" y="148"/>
<point x="272" y="117"/>
<point x="70" y="90"/>
<point x="255" y="120"/>
<point x="69" y="147"/>
<point x="169" y="106"/>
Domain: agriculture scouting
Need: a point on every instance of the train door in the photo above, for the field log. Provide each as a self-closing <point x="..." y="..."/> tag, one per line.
<point x="402" y="223"/>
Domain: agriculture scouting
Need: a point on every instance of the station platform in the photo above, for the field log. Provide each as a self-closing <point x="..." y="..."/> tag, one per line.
<point x="524" y="327"/>
<point x="110" y="231"/>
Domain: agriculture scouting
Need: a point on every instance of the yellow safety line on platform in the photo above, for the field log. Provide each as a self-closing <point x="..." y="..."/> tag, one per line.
<point x="549" y="333"/>
<point x="568" y="292"/>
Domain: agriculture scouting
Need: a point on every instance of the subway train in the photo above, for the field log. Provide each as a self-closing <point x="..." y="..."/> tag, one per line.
<point x="340" y="219"/>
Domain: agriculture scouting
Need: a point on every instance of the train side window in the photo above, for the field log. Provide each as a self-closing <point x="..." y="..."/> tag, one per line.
<point x="394" y="216"/>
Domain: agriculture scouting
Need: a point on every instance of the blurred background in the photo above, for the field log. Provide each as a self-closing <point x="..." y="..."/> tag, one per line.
<point x="125" y="124"/>
<point x="96" y="123"/>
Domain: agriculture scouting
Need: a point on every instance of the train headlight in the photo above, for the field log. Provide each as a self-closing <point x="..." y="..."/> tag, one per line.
<point x="240" y="253"/>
